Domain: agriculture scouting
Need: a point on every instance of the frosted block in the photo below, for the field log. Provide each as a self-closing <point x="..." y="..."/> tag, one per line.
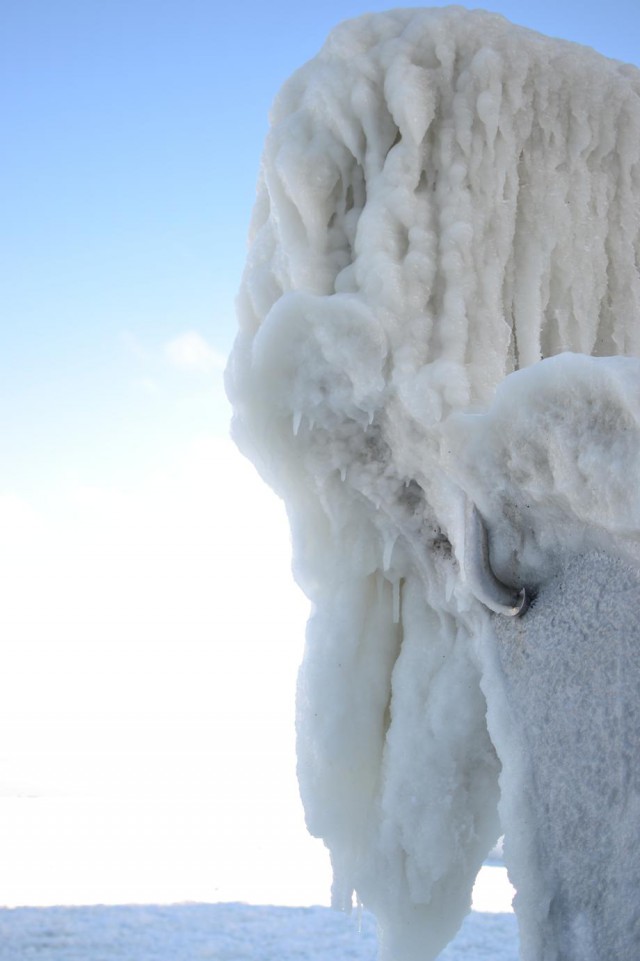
<point x="572" y="676"/>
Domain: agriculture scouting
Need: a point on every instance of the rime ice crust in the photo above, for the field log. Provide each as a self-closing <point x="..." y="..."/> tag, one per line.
<point x="578" y="900"/>
<point x="444" y="199"/>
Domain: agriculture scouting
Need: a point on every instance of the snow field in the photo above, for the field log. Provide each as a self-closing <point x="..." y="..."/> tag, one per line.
<point x="222" y="932"/>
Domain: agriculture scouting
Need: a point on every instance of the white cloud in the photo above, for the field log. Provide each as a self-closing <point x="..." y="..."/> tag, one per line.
<point x="190" y="351"/>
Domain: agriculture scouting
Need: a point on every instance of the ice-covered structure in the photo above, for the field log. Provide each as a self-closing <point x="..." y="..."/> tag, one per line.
<point x="446" y="204"/>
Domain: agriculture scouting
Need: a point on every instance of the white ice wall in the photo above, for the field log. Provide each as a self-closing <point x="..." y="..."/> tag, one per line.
<point x="444" y="199"/>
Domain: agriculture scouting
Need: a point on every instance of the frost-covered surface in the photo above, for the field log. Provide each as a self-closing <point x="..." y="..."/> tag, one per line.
<point x="224" y="932"/>
<point x="445" y="201"/>
<point x="579" y="726"/>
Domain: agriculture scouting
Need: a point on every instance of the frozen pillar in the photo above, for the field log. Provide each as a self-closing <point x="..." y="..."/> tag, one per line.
<point x="440" y="308"/>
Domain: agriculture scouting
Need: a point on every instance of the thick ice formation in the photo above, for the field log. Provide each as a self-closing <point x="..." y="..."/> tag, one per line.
<point x="444" y="201"/>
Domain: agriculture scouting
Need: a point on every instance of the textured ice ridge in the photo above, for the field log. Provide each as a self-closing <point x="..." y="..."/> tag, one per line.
<point x="445" y="201"/>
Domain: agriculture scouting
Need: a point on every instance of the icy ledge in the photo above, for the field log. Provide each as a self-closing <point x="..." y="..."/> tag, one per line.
<point x="444" y="201"/>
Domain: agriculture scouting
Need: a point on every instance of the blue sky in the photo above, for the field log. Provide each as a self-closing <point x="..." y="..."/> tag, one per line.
<point x="147" y="605"/>
<point x="131" y="136"/>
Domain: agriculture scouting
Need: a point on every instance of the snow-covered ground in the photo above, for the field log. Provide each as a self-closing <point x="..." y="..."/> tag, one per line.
<point x="224" y="932"/>
<point x="230" y="932"/>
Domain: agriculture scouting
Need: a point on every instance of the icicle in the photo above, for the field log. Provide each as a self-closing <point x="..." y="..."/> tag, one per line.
<point x="389" y="544"/>
<point x="396" y="600"/>
<point x="449" y="587"/>
<point x="380" y="582"/>
<point x="297" y="418"/>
